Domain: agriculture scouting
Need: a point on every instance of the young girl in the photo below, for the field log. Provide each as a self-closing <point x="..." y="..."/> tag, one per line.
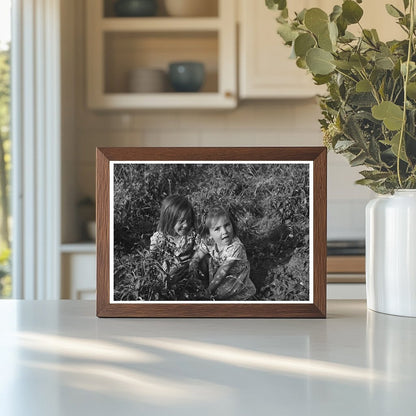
<point x="229" y="269"/>
<point x="174" y="240"/>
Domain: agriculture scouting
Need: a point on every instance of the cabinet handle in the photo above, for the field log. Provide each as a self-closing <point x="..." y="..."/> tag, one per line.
<point x="229" y="94"/>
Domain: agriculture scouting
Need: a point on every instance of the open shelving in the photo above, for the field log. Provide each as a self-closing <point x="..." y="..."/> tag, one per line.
<point x="117" y="45"/>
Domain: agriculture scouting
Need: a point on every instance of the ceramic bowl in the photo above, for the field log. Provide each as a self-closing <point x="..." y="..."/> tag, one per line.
<point x="186" y="76"/>
<point x="147" y="80"/>
<point x="135" y="8"/>
<point x="191" y="8"/>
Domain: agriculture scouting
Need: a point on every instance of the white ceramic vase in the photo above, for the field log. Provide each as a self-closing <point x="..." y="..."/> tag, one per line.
<point x="391" y="253"/>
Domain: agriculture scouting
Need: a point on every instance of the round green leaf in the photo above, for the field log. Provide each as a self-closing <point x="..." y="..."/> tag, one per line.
<point x="327" y="39"/>
<point x="342" y="25"/>
<point x="325" y="42"/>
<point x="363" y="86"/>
<point x="391" y="114"/>
<point x="384" y="62"/>
<point x="351" y="11"/>
<point x="411" y="90"/>
<point x="393" y="11"/>
<point x="336" y="12"/>
<point x="301" y="15"/>
<point x="358" y="61"/>
<point x="287" y="33"/>
<point x="301" y="63"/>
<point x="344" y="65"/>
<point x="276" y="4"/>
<point x="322" y="79"/>
<point x="333" y="32"/>
<point x="303" y="43"/>
<point x="316" y="20"/>
<point x="395" y="144"/>
<point x="319" y="61"/>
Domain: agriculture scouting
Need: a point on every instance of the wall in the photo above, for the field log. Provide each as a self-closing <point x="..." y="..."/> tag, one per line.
<point x="253" y="123"/>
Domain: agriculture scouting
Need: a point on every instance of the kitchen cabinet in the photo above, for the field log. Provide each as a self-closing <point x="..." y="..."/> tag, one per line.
<point x="265" y="70"/>
<point x="346" y="277"/>
<point x="118" y="45"/>
<point x="78" y="262"/>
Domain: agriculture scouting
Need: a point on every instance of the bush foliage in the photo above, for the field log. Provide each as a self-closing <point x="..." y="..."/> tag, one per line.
<point x="269" y="202"/>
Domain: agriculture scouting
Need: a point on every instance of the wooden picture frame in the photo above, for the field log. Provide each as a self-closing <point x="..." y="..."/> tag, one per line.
<point x="117" y="168"/>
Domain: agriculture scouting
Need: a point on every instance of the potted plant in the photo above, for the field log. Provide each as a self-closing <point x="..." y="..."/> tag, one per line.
<point x="368" y="116"/>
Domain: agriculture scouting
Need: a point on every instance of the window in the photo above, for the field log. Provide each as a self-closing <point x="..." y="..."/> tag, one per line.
<point x="5" y="145"/>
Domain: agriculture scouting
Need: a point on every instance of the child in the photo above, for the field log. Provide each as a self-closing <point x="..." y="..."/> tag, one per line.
<point x="174" y="240"/>
<point x="229" y="269"/>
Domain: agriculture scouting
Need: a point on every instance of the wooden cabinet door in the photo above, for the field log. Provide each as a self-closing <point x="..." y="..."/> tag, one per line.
<point x="265" y="69"/>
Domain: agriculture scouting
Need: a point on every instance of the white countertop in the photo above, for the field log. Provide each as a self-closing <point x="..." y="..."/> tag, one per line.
<point x="57" y="358"/>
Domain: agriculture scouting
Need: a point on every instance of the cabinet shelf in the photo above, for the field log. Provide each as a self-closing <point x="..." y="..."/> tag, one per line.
<point x="160" y="24"/>
<point x="196" y="100"/>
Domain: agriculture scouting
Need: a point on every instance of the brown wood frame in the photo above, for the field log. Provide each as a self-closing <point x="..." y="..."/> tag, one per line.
<point x="317" y="309"/>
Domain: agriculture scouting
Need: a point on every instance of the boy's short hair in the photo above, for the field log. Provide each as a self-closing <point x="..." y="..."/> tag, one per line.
<point x="216" y="212"/>
<point x="175" y="207"/>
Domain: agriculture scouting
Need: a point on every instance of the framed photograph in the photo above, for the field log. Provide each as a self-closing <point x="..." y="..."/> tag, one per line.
<point x="211" y="232"/>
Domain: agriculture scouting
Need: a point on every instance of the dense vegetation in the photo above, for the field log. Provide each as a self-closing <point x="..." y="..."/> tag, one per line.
<point x="270" y="204"/>
<point x="5" y="165"/>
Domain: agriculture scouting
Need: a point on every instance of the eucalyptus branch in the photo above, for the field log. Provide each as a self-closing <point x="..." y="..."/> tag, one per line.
<point x="398" y="95"/>
<point x="392" y="91"/>
<point x="405" y="81"/>
<point x="405" y="29"/>
<point x="373" y="88"/>
<point x="363" y="60"/>
<point x="346" y="75"/>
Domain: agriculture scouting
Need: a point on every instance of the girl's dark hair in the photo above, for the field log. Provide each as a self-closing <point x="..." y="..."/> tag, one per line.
<point x="175" y="207"/>
<point x="212" y="214"/>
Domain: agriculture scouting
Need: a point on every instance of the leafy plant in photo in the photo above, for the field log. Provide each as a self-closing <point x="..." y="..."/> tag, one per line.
<point x="369" y="112"/>
<point x="141" y="276"/>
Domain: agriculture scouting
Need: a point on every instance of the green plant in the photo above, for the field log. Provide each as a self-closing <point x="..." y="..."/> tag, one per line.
<point x="5" y="278"/>
<point x="369" y="113"/>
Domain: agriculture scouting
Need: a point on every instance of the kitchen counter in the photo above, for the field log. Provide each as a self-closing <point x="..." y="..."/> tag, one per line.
<point x="57" y="358"/>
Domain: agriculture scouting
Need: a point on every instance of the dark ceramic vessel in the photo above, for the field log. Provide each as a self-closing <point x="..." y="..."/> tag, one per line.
<point x="186" y="76"/>
<point x="135" y="8"/>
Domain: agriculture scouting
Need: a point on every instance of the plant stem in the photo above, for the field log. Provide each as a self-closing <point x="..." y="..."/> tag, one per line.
<point x="346" y="75"/>
<point x="406" y="79"/>
<point x="373" y="88"/>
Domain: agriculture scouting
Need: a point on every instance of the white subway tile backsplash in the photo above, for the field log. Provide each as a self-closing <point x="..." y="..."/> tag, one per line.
<point x="277" y="116"/>
<point x="96" y="120"/>
<point x="230" y="138"/>
<point x="168" y="138"/>
<point x="306" y="114"/>
<point x="346" y="219"/>
<point x="341" y="180"/>
<point x="197" y="120"/>
<point x="156" y="119"/>
<point x="291" y="137"/>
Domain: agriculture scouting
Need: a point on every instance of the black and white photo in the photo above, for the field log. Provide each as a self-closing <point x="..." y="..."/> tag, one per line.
<point x="209" y="231"/>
